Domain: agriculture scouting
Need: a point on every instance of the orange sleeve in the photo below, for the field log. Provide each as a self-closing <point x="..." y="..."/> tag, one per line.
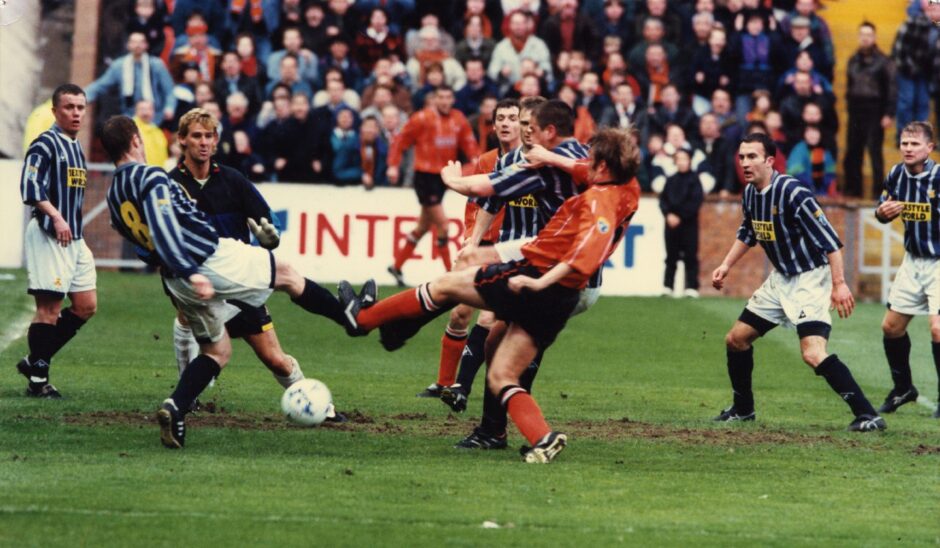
<point x="467" y="142"/>
<point x="405" y="139"/>
<point x="580" y="173"/>
<point x="596" y="230"/>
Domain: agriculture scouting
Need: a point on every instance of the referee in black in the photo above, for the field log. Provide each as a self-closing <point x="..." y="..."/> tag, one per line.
<point x="58" y="262"/>
<point x="783" y="216"/>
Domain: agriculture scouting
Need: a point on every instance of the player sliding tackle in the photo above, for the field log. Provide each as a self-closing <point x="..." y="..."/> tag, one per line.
<point x="200" y="269"/>
<point x="534" y="295"/>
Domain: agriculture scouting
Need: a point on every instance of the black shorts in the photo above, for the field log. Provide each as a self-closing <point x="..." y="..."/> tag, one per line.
<point x="542" y="314"/>
<point x="250" y="321"/>
<point x="429" y="187"/>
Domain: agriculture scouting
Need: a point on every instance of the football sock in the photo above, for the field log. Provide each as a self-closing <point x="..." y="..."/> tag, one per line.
<point x="185" y="346"/>
<point x="898" y="352"/>
<point x="317" y="300"/>
<point x="525" y="413"/>
<point x="740" y="366"/>
<point x="66" y="327"/>
<point x="935" y="346"/>
<point x="494" y="418"/>
<point x="841" y="381"/>
<point x="444" y="250"/>
<point x="195" y="379"/>
<point x="295" y="375"/>
<point x="452" y="344"/>
<point x="411" y="241"/>
<point x="41" y="337"/>
<point x="471" y="357"/>
<point x="410" y="303"/>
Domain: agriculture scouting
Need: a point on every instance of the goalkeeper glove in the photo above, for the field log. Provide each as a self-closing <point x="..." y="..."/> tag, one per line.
<point x="265" y="233"/>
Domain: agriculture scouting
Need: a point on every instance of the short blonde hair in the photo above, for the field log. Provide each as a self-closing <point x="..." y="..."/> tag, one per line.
<point x="199" y="116"/>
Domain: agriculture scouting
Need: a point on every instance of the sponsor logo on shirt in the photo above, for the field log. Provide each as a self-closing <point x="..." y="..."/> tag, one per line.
<point x="915" y="211"/>
<point x="445" y="142"/>
<point x="527" y="201"/>
<point x="76" y="177"/>
<point x="764" y="231"/>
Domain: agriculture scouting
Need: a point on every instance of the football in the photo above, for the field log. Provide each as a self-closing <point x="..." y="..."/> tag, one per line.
<point x="307" y="402"/>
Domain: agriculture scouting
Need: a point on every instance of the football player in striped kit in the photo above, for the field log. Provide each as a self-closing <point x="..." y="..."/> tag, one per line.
<point x="784" y="218"/>
<point x="200" y="270"/>
<point x="58" y="262"/>
<point x="910" y="192"/>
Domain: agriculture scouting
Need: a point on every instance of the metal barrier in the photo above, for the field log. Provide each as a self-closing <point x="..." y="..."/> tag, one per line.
<point x="881" y="246"/>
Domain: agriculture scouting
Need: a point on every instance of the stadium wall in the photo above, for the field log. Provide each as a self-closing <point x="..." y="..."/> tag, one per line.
<point x="332" y="233"/>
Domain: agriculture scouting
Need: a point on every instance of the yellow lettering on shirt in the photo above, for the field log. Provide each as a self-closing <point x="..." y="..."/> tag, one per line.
<point x="76" y="177"/>
<point x="764" y="231"/>
<point x="524" y="201"/>
<point x="915" y="211"/>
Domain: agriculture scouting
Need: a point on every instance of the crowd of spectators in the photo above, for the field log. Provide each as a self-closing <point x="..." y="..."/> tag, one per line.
<point x="315" y="91"/>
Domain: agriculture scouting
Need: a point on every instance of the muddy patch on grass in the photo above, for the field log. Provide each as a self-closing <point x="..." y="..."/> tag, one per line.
<point x="926" y="450"/>
<point x="453" y="426"/>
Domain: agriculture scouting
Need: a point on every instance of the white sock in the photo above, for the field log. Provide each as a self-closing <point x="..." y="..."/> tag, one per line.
<point x="295" y="375"/>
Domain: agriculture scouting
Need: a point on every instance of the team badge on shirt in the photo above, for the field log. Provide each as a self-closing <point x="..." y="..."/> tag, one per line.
<point x="603" y="225"/>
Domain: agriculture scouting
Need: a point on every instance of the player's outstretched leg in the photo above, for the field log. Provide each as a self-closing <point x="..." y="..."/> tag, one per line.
<point x="840" y="379"/>
<point x="314" y="298"/>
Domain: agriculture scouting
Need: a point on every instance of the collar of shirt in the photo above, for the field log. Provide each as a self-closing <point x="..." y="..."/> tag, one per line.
<point x="928" y="167"/>
<point x="376" y="35"/>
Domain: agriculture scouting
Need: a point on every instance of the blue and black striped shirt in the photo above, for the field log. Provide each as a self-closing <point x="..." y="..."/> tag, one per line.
<point x="787" y="221"/>
<point x="155" y="213"/>
<point x="521" y="217"/>
<point x="921" y="213"/>
<point x="548" y="186"/>
<point x="54" y="171"/>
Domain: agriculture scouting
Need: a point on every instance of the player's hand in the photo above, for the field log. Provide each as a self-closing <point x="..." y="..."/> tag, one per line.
<point x="719" y="275"/>
<point x="889" y="209"/>
<point x="63" y="234"/>
<point x="392" y="174"/>
<point x="518" y="283"/>
<point x="453" y="170"/>
<point x="202" y="286"/>
<point x="673" y="220"/>
<point x="265" y="232"/>
<point x="842" y="299"/>
<point x="537" y="156"/>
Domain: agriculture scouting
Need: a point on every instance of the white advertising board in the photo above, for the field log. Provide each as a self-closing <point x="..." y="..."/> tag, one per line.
<point x="333" y="233"/>
<point x="12" y="215"/>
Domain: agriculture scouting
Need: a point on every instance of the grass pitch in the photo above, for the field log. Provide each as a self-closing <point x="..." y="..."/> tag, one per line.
<point x="633" y="382"/>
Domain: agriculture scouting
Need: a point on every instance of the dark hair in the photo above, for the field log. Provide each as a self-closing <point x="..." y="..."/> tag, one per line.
<point x="443" y="87"/>
<point x="504" y="104"/>
<point x="615" y="148"/>
<point x="531" y="103"/>
<point x="770" y="148"/>
<point x="556" y="113"/>
<point x="293" y="56"/>
<point x="474" y="59"/>
<point x="867" y="23"/>
<point x="756" y="126"/>
<point x="116" y="136"/>
<point x="924" y="128"/>
<point x="65" y="89"/>
<point x="291" y="28"/>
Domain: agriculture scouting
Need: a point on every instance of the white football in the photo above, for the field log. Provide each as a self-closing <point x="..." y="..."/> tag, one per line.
<point x="307" y="402"/>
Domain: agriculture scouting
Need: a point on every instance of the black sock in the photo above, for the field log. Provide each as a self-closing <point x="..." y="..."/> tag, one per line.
<point x="317" y="300"/>
<point x="472" y="357"/>
<point x="740" y="366"/>
<point x="41" y="338"/>
<point x="66" y="328"/>
<point x="494" y="418"/>
<point x="935" y="346"/>
<point x="195" y="378"/>
<point x="841" y="381"/>
<point x="898" y="352"/>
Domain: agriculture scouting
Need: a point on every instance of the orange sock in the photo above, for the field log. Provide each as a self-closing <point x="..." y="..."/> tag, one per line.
<point x="525" y="414"/>
<point x="405" y="304"/>
<point x="444" y="251"/>
<point x="406" y="250"/>
<point x="452" y="345"/>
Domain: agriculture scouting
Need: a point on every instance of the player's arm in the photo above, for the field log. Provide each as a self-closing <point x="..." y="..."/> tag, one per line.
<point x="738" y="249"/>
<point x="554" y="275"/>
<point x="164" y="229"/>
<point x="468" y="185"/>
<point x="842" y="299"/>
<point x="483" y="223"/>
<point x="63" y="234"/>
<point x="468" y="143"/>
<point x="888" y="208"/>
<point x="256" y="208"/>
<point x="34" y="184"/>
<point x="404" y="140"/>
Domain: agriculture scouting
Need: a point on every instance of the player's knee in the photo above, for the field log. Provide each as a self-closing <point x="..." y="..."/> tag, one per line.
<point x="85" y="310"/>
<point x="893" y="330"/>
<point x="497" y="378"/>
<point x="934" y="333"/>
<point x="460" y="317"/>
<point x="735" y="342"/>
<point x="813" y="356"/>
<point x="486" y="319"/>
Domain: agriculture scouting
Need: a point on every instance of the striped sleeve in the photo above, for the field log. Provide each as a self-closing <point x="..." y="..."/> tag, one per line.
<point x="515" y="181"/>
<point x="165" y="230"/>
<point x="814" y="223"/>
<point x="34" y="181"/>
<point x="889" y="187"/>
<point x="746" y="230"/>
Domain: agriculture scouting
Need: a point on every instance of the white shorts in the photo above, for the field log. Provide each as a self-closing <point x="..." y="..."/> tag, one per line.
<point x="793" y="300"/>
<point x="56" y="270"/>
<point x="586" y="299"/>
<point x="916" y="288"/>
<point x="511" y="250"/>
<point x="238" y="272"/>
